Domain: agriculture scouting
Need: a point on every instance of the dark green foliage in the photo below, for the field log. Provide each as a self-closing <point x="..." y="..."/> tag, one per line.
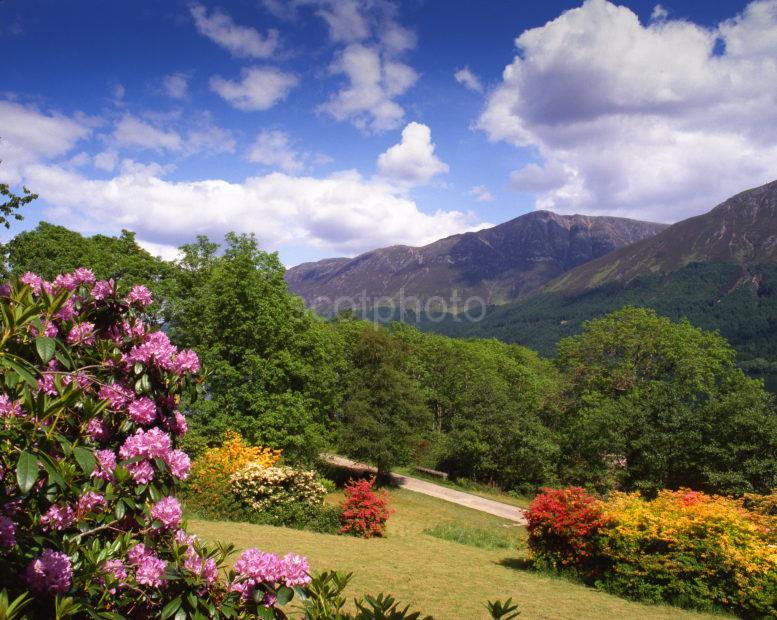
<point x="653" y="404"/>
<point x="50" y="250"/>
<point x="271" y="366"/>
<point x="383" y="415"/>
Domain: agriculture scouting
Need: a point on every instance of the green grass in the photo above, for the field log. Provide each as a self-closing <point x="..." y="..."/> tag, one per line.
<point x="448" y="580"/>
<point x="481" y="490"/>
<point x="472" y="536"/>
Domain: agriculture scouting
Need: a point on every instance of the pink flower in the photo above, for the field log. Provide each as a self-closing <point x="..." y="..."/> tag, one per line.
<point x="65" y="281"/>
<point x="210" y="571"/>
<point x="178" y="463"/>
<point x="98" y="430"/>
<point x="148" y="444"/>
<point x="50" y="572"/>
<point x="82" y="275"/>
<point x="137" y="553"/>
<point x="259" y="566"/>
<point x="150" y="570"/>
<point x="142" y="411"/>
<point x="156" y="349"/>
<point x="116" y="394"/>
<point x="102" y="289"/>
<point x="88" y="502"/>
<point x="68" y="310"/>
<point x="180" y="427"/>
<point x="134" y="330"/>
<point x="35" y="282"/>
<point x="81" y="333"/>
<point x="9" y="408"/>
<point x="46" y="384"/>
<point x="186" y="361"/>
<point x="140" y="295"/>
<point x="296" y="570"/>
<point x="7" y="532"/>
<point x="168" y="511"/>
<point x="106" y="464"/>
<point x="57" y="518"/>
<point x="141" y="471"/>
<point x="114" y="568"/>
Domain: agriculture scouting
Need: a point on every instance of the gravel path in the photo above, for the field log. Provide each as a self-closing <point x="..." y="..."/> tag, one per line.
<point x="475" y="502"/>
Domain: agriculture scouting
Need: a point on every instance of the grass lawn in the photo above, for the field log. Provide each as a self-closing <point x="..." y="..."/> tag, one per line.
<point x="481" y="490"/>
<point x="446" y="579"/>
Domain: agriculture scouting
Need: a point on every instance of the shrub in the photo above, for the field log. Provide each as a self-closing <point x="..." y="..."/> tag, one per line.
<point x="88" y="464"/>
<point x="314" y="518"/>
<point x="208" y="490"/>
<point x="692" y="549"/>
<point x="364" y="511"/>
<point x="260" y="487"/>
<point x="562" y="525"/>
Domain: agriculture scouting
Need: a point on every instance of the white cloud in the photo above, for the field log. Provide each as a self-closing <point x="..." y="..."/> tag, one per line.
<point x="273" y="148"/>
<point x="481" y="193"/>
<point x="161" y="250"/>
<point x="133" y="132"/>
<point x="118" y="91"/>
<point x="412" y="161"/>
<point x="641" y="120"/>
<point x="345" y="20"/>
<point x="260" y="88"/>
<point x="207" y="136"/>
<point x="106" y="160"/>
<point x="374" y="82"/>
<point x="176" y="85"/>
<point x="659" y="13"/>
<point x="241" y="41"/>
<point x="28" y="135"/>
<point x="342" y="213"/>
<point x="468" y="79"/>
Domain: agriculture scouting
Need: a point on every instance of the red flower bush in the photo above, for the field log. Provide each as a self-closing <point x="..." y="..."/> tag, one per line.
<point x="365" y="511"/>
<point x="562" y="526"/>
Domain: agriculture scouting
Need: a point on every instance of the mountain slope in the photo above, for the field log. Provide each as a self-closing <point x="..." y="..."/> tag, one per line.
<point x="718" y="270"/>
<point x="742" y="230"/>
<point x="497" y="264"/>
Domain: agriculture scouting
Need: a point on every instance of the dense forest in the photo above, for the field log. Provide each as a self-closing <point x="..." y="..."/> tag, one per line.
<point x="633" y="401"/>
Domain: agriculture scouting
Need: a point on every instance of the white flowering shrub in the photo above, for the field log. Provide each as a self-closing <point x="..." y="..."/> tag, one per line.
<point x="262" y="488"/>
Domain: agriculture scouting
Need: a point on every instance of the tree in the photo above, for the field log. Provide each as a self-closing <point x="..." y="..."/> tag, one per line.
<point x="384" y="414"/>
<point x="272" y="366"/>
<point x="652" y="403"/>
<point x="10" y="203"/>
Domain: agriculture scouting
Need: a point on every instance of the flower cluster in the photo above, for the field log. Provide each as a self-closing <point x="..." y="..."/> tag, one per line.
<point x="683" y="547"/>
<point x="89" y="419"/>
<point x="365" y="511"/>
<point x="256" y="568"/>
<point x="260" y="487"/>
<point x="209" y="487"/>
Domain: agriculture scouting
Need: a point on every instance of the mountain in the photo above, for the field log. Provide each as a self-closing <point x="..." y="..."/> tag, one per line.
<point x="498" y="264"/>
<point x="718" y="270"/>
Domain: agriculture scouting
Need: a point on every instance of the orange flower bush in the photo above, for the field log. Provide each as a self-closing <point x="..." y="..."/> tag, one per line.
<point x="209" y="489"/>
<point x="683" y="547"/>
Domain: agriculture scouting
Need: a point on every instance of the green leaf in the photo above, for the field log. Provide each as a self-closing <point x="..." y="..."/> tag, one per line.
<point x="26" y="471"/>
<point x="284" y="595"/>
<point x="85" y="458"/>
<point x="172" y="607"/>
<point x="46" y="348"/>
<point x="53" y="471"/>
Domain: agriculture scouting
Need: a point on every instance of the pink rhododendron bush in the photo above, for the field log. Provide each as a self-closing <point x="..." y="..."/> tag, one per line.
<point x="89" y="421"/>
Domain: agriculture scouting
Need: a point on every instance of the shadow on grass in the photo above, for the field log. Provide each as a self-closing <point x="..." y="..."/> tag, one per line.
<point x="522" y="564"/>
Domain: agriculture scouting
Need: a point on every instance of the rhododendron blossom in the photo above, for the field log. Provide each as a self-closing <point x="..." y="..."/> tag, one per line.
<point x="58" y="518"/>
<point x="50" y="572"/>
<point x="168" y="511"/>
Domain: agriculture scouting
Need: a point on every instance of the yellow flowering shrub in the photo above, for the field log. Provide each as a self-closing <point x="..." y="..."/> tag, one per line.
<point x="208" y="489"/>
<point x="692" y="549"/>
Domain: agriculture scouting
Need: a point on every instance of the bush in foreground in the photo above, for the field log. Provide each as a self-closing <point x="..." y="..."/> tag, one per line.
<point x="88" y="464"/>
<point x="684" y="547"/>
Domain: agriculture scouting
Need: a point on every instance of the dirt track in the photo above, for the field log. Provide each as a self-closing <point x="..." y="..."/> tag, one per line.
<point x="435" y="490"/>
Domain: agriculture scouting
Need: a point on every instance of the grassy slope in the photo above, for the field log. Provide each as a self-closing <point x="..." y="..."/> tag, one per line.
<point x="445" y="579"/>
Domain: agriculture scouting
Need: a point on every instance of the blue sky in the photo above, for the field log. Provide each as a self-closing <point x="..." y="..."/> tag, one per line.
<point x="333" y="127"/>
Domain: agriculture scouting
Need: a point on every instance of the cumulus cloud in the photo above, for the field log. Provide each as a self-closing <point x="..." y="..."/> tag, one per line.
<point x="176" y="85"/>
<point x="259" y="88"/>
<point x="241" y="41"/>
<point x="273" y="148"/>
<point x="468" y="79"/>
<point x="481" y="193"/>
<point x="374" y="82"/>
<point x="412" y="161"/>
<point x="133" y="132"/>
<point x="106" y="160"/>
<point x="28" y="135"/>
<point x="345" y="20"/>
<point x="342" y="213"/>
<point x="641" y="120"/>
